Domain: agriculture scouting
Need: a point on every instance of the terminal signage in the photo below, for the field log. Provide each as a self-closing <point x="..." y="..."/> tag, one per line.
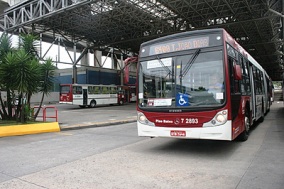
<point x="179" y="45"/>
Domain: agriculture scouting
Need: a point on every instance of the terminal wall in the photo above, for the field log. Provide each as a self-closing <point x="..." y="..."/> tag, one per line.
<point x="84" y="76"/>
<point x="94" y="76"/>
<point x="51" y="98"/>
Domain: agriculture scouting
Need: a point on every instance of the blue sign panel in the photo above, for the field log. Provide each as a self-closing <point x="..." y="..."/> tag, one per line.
<point x="182" y="100"/>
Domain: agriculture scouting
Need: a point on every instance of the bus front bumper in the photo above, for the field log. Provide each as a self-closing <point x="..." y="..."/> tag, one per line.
<point x="222" y="132"/>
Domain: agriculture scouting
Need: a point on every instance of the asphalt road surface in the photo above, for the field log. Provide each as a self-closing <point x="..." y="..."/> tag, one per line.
<point x="115" y="157"/>
<point x="72" y="115"/>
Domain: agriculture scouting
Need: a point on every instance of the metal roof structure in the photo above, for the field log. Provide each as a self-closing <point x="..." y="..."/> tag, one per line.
<point x="124" y="24"/>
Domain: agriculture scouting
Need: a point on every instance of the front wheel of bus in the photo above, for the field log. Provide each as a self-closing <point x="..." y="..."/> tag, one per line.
<point x="120" y="102"/>
<point x="93" y="104"/>
<point x="245" y="134"/>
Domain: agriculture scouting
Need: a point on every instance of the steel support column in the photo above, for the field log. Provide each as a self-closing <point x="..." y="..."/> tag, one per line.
<point x="74" y="73"/>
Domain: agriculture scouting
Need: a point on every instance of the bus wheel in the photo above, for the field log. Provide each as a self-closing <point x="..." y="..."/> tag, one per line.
<point x="121" y="102"/>
<point x="245" y="134"/>
<point x="92" y="104"/>
<point x="268" y="104"/>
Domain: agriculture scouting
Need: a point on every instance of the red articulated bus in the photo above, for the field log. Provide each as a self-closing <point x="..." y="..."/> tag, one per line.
<point x="86" y="95"/>
<point x="199" y="85"/>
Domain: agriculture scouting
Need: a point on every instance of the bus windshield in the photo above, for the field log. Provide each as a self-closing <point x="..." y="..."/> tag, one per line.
<point x="190" y="80"/>
<point x="65" y="89"/>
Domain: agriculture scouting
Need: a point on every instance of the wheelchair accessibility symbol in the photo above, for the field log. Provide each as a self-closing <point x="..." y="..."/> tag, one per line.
<point x="182" y="100"/>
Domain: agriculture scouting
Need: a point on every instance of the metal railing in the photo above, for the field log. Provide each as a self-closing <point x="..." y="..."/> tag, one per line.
<point x="44" y="112"/>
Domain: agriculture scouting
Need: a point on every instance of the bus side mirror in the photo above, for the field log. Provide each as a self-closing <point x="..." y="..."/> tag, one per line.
<point x="238" y="72"/>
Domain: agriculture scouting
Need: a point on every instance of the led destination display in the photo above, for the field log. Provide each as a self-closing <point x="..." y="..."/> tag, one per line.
<point x="180" y="45"/>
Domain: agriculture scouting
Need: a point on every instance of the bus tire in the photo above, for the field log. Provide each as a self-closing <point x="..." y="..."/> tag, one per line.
<point x="268" y="104"/>
<point x="245" y="134"/>
<point x="92" y="104"/>
<point x="120" y="102"/>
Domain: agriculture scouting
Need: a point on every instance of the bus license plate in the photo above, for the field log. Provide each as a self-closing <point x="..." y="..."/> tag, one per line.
<point x="178" y="133"/>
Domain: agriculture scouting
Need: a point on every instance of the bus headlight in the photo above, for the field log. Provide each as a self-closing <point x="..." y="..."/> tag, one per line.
<point x="219" y="119"/>
<point x="141" y="118"/>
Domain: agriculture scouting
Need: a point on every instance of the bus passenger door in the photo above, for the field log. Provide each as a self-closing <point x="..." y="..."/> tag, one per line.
<point x="85" y="97"/>
<point x="235" y="90"/>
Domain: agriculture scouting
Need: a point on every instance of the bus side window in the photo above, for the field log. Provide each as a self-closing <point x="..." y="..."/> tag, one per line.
<point x="105" y="90"/>
<point x="235" y="84"/>
<point x="77" y="90"/>
<point x="243" y="86"/>
<point x="97" y="90"/>
<point x="245" y="83"/>
<point x="257" y="80"/>
<point x="232" y="61"/>
<point x="91" y="90"/>
<point x="261" y="81"/>
<point x="113" y="90"/>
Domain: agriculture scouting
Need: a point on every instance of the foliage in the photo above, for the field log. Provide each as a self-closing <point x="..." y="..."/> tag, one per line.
<point x="22" y="71"/>
<point x="47" y="71"/>
<point x="5" y="48"/>
<point x="277" y="84"/>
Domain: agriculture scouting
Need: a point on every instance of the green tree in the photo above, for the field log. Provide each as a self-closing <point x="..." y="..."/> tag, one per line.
<point x="21" y="71"/>
<point x="5" y="48"/>
<point x="47" y="70"/>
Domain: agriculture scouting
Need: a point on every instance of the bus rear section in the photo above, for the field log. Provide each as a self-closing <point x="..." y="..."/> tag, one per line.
<point x="66" y="94"/>
<point x="198" y="85"/>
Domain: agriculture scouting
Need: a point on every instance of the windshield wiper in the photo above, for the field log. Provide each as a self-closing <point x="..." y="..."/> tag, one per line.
<point x="161" y="62"/>
<point x="190" y="62"/>
<point x="163" y="65"/>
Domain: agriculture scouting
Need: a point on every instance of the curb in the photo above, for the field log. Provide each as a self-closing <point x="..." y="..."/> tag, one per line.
<point x="15" y="130"/>
<point x="95" y="124"/>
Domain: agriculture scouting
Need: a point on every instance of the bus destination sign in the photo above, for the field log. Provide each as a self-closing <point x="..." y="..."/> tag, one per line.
<point x="184" y="44"/>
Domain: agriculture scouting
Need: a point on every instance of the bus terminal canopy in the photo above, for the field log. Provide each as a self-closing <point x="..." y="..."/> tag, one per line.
<point x="124" y="24"/>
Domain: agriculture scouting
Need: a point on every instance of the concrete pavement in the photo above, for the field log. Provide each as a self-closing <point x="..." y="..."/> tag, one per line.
<point x="71" y="118"/>
<point x="93" y="159"/>
<point x="97" y="117"/>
